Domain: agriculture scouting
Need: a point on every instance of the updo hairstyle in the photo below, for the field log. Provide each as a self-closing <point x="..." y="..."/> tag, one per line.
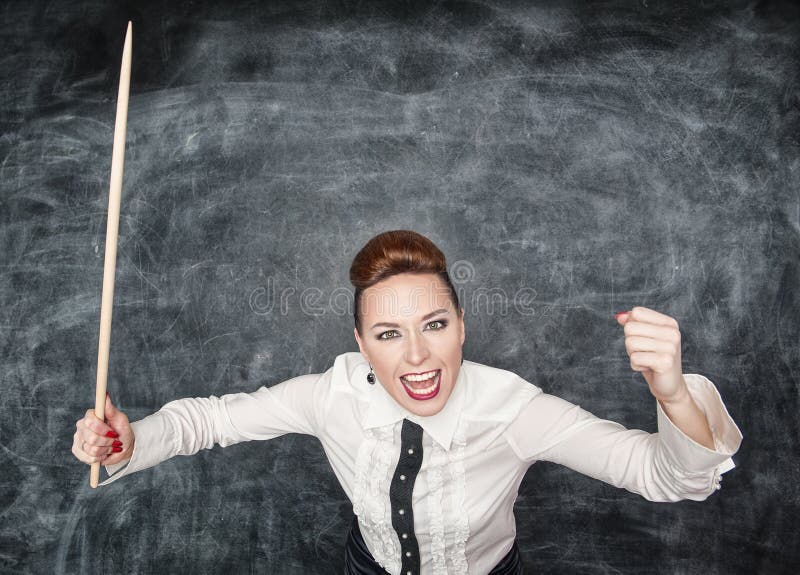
<point x="396" y="252"/>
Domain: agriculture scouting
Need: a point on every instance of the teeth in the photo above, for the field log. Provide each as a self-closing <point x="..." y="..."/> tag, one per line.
<point x="419" y="377"/>
<point x="423" y="390"/>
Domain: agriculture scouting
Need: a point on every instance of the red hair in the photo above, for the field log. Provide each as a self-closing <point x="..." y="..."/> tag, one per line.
<point x="396" y="252"/>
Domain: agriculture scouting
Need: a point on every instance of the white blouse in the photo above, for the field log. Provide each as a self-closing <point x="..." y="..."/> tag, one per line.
<point x="475" y="451"/>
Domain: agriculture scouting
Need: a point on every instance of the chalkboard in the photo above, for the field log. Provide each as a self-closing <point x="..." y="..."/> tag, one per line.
<point x="571" y="160"/>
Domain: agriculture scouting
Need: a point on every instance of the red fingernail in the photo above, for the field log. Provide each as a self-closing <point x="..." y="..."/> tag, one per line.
<point x="112" y="434"/>
<point x="619" y="313"/>
<point x="116" y="450"/>
<point x="117" y="443"/>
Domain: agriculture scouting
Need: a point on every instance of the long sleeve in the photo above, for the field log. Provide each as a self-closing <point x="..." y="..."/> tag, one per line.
<point x="663" y="466"/>
<point x="185" y="426"/>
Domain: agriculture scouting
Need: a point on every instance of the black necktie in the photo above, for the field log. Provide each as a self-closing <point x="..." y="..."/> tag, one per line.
<point x="400" y="495"/>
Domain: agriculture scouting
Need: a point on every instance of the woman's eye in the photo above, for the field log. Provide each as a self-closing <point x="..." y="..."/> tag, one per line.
<point x="393" y="334"/>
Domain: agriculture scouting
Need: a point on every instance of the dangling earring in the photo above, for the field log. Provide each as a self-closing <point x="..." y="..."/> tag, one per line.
<point x="370" y="376"/>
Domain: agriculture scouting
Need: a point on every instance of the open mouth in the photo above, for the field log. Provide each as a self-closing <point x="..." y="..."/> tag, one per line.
<point x="423" y="387"/>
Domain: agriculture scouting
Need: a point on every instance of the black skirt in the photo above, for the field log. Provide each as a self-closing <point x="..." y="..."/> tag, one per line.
<point x="359" y="561"/>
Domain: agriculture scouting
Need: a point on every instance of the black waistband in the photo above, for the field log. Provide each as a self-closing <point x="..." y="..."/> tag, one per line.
<point x="359" y="561"/>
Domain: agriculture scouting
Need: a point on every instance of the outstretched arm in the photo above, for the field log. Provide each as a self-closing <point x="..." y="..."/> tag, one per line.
<point x="185" y="426"/>
<point x="684" y="460"/>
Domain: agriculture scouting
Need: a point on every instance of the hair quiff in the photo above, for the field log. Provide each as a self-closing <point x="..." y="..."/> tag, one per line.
<point x="396" y="252"/>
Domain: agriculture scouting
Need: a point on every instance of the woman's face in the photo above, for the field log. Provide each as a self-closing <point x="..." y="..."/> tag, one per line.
<point x="412" y="337"/>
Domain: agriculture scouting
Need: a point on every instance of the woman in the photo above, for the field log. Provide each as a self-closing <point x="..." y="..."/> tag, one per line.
<point x="429" y="448"/>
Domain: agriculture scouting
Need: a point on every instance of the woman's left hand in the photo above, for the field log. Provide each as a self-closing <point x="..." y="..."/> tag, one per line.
<point x="653" y="343"/>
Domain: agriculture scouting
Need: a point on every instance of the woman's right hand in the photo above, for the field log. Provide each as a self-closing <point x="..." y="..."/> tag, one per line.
<point x="110" y="441"/>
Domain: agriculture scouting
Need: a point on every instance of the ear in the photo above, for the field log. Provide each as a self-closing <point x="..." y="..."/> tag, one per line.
<point x="463" y="327"/>
<point x="360" y="344"/>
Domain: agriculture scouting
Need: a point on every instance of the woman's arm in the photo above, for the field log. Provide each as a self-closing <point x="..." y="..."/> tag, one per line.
<point x="684" y="460"/>
<point x="663" y="466"/>
<point x="185" y="426"/>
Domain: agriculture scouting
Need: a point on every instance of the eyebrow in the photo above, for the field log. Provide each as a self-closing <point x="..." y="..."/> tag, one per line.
<point x="430" y="315"/>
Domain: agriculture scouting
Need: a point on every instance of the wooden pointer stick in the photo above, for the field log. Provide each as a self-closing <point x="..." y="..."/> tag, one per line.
<point x="112" y="232"/>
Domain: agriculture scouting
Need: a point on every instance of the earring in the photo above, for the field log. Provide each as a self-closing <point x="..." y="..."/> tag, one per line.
<point x="370" y="376"/>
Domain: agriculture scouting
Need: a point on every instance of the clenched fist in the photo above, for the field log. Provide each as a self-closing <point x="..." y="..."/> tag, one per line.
<point x="653" y="343"/>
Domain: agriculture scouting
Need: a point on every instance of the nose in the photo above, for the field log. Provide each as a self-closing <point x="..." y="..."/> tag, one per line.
<point x="417" y="349"/>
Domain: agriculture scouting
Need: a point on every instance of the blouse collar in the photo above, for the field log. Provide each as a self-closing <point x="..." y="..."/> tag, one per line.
<point x="466" y="401"/>
<point x="383" y="410"/>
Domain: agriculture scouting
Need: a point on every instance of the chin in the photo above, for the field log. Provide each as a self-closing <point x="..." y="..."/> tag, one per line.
<point x="426" y="410"/>
<point x="424" y="407"/>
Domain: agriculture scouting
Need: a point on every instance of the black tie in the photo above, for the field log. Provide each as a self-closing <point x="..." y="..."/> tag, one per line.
<point x="400" y="495"/>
